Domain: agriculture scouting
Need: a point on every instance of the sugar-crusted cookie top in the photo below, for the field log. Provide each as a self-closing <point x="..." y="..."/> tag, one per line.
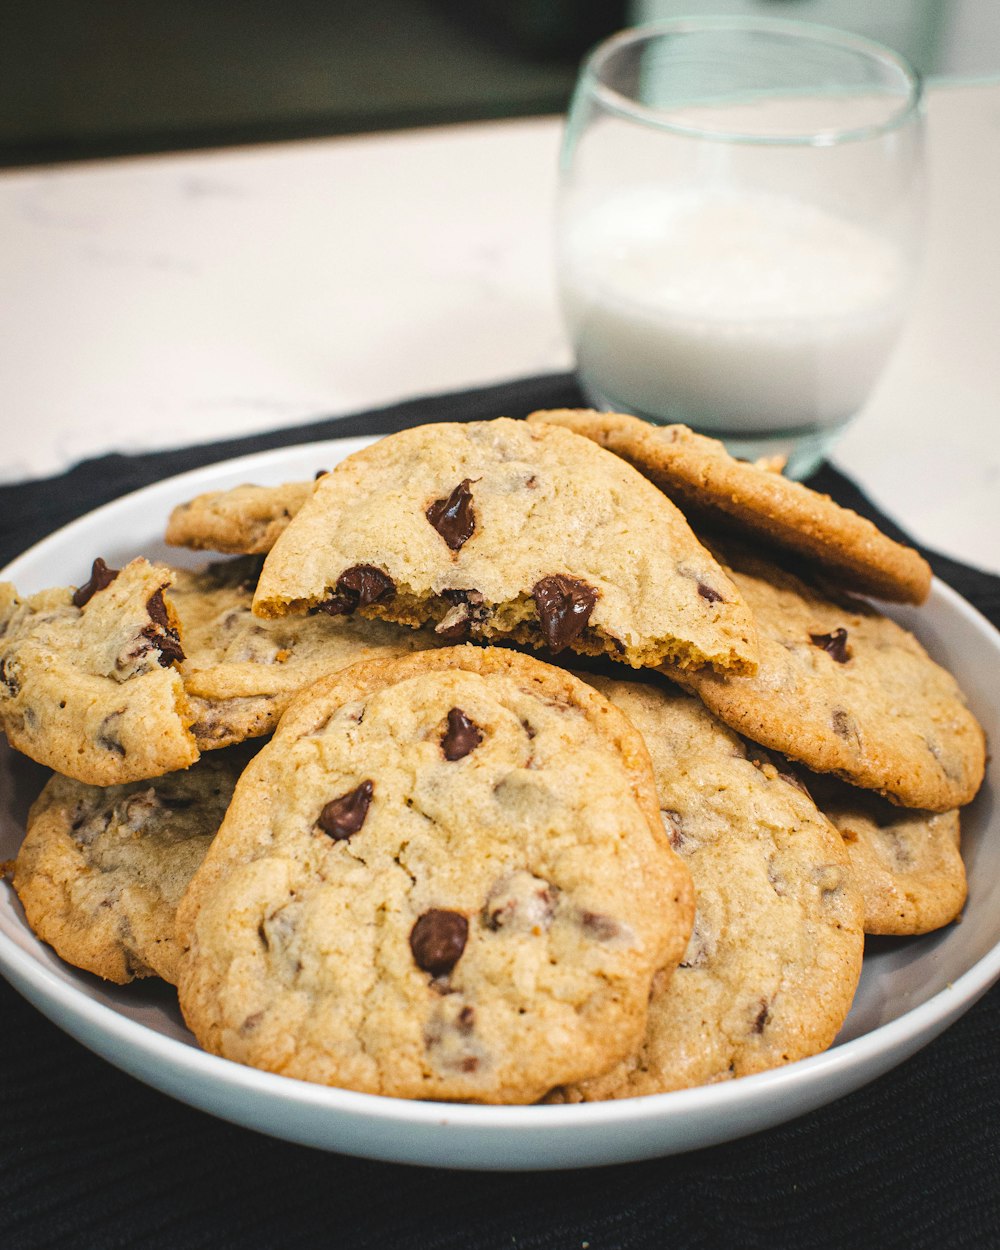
<point x="441" y="879"/>
<point x="501" y="529"/>
<point x="698" y="473"/>
<point x="845" y="690"/>
<point x="771" y="968"/>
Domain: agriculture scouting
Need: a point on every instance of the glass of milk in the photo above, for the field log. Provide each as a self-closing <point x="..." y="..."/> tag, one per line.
<point x="738" y="226"/>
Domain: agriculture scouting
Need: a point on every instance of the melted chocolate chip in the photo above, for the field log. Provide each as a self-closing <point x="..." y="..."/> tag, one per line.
<point x="8" y="680"/>
<point x="834" y="644"/>
<point x="461" y="736"/>
<point x="564" y="605"/>
<point x="107" y="735"/>
<point x="159" y="632"/>
<point x="437" y="940"/>
<point x="453" y="518"/>
<point x="761" y="1018"/>
<point x="358" y="587"/>
<point x="708" y="593"/>
<point x="343" y="816"/>
<point x="100" y="577"/>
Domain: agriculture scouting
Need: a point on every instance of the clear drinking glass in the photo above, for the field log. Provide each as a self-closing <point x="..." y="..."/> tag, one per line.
<point x="738" y="226"/>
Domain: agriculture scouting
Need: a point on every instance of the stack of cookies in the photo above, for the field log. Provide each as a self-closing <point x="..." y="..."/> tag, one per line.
<point x="556" y="759"/>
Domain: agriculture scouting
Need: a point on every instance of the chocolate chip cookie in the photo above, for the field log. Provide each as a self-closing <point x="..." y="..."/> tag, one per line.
<point x="444" y="877"/>
<point x="503" y="530"/>
<point x="101" y="870"/>
<point x="845" y="690"/>
<point x="702" y="478"/>
<point x="240" y="672"/>
<point x="88" y="677"/>
<point x="245" y="520"/>
<point x="908" y="864"/>
<point x="772" y="965"/>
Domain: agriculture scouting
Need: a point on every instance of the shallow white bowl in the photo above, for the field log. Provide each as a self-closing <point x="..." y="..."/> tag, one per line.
<point x="910" y="989"/>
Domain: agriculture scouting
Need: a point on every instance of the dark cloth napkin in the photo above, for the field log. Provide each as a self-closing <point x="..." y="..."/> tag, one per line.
<point x="90" y="1157"/>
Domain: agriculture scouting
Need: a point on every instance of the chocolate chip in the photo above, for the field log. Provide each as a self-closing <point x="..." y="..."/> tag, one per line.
<point x="834" y="644"/>
<point x="107" y="735"/>
<point x="601" y="928"/>
<point x="160" y="633"/>
<point x="564" y="605"/>
<point x="708" y="593"/>
<point x="438" y="939"/>
<point x="320" y="473"/>
<point x="453" y="518"/>
<point x="450" y="630"/>
<point x="761" y="1018"/>
<point x="461" y="736"/>
<point x="343" y="816"/>
<point x="100" y="577"/>
<point x="468" y="607"/>
<point x="358" y="587"/>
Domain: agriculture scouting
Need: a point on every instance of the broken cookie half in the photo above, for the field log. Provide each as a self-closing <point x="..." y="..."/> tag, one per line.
<point x="499" y="530"/>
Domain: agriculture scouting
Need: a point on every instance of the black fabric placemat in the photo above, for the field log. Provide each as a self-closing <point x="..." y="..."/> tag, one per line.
<point x="90" y="1157"/>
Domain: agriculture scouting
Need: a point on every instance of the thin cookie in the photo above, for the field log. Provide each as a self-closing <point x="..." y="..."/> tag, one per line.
<point x="700" y="476"/>
<point x="241" y="672"/>
<point x="245" y="520"/>
<point x="101" y="870"/>
<point x="845" y="690"/>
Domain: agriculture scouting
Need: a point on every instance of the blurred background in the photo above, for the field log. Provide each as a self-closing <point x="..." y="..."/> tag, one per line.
<point x="90" y="78"/>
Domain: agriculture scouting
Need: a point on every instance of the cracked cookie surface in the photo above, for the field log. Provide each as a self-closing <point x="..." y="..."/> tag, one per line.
<point x="88" y="678"/>
<point x="772" y="965"/>
<point x="842" y="689"/>
<point x="700" y="475"/>
<point x="444" y="877"/>
<point x="101" y="869"/>
<point x="501" y="530"/>
<point x="240" y="672"/>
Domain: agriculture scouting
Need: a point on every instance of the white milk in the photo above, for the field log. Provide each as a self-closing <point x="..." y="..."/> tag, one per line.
<point x="732" y="311"/>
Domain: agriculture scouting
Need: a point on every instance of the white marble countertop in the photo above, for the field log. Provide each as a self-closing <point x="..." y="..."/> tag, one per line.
<point x="158" y="301"/>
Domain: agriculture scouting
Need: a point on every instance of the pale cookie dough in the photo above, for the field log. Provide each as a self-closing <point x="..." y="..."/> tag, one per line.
<point x="908" y="864"/>
<point x="241" y="672"/>
<point x="772" y="965"/>
<point x="444" y="877"/>
<point x="101" y="870"/>
<point x="501" y="530"/>
<point x="245" y="520"/>
<point x="93" y="690"/>
<point x="844" y="690"/>
<point x="699" y="475"/>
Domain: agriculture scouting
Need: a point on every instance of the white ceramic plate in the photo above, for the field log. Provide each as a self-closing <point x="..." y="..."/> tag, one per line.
<point x="910" y="990"/>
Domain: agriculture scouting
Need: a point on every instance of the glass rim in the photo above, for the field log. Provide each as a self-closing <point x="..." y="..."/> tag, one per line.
<point x="811" y="32"/>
